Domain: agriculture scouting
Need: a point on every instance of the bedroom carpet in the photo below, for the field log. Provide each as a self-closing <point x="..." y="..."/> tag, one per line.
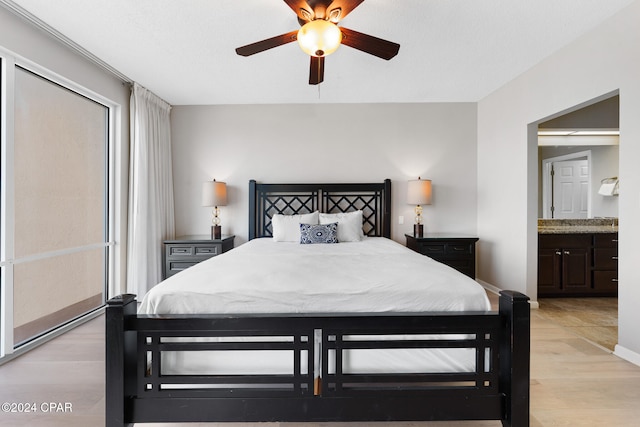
<point x="573" y="383"/>
<point x="595" y="319"/>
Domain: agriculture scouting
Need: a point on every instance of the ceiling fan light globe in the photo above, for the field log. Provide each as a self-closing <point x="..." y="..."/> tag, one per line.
<point x="319" y="37"/>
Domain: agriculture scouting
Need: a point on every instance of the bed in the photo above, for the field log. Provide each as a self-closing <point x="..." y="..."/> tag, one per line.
<point x="339" y="343"/>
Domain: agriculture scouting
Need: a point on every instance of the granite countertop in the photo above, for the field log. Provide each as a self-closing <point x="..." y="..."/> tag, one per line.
<point x="578" y="226"/>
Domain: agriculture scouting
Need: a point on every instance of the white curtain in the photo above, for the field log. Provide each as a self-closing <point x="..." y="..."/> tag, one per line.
<point x="151" y="215"/>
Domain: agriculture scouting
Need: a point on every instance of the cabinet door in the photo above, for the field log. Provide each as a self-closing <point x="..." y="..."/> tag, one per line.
<point x="576" y="264"/>
<point x="549" y="272"/>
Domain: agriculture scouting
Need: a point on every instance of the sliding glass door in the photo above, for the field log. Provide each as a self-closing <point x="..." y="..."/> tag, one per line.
<point x="60" y="195"/>
<point x="56" y="246"/>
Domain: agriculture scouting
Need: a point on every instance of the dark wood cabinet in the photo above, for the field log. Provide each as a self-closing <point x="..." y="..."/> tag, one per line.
<point x="577" y="264"/>
<point x="605" y="263"/>
<point x="564" y="264"/>
<point x="185" y="251"/>
<point x="458" y="252"/>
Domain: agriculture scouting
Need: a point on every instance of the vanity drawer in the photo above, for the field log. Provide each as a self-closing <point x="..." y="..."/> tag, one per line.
<point x="605" y="281"/>
<point x="605" y="258"/>
<point x="606" y="240"/>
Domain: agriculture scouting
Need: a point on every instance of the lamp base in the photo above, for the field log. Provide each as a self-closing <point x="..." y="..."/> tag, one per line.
<point x="216" y="232"/>
<point x="418" y="230"/>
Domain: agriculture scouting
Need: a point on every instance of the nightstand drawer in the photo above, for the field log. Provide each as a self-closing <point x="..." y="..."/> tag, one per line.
<point x="465" y="266"/>
<point x="182" y="253"/>
<point x="208" y="251"/>
<point x="456" y="252"/>
<point x="432" y="249"/>
<point x="442" y="249"/>
<point x="460" y="248"/>
<point x="179" y="250"/>
<point x="174" y="267"/>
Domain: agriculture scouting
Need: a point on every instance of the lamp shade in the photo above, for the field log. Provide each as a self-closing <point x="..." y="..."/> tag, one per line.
<point x="214" y="193"/>
<point x="319" y="37"/>
<point x="419" y="192"/>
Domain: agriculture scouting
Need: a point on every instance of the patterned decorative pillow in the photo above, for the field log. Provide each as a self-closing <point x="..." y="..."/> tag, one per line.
<point x="324" y="233"/>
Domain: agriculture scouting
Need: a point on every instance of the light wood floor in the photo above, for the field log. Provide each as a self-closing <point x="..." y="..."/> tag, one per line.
<point x="595" y="319"/>
<point x="573" y="383"/>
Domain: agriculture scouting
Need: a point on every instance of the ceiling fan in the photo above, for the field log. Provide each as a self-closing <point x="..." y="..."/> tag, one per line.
<point x="320" y="36"/>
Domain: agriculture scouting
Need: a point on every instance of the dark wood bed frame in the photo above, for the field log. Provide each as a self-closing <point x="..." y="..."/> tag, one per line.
<point x="138" y="392"/>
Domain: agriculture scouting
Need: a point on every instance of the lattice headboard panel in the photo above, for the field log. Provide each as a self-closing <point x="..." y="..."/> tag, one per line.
<point x="373" y="199"/>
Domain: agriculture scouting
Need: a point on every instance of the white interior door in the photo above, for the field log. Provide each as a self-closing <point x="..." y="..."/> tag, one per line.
<point x="570" y="189"/>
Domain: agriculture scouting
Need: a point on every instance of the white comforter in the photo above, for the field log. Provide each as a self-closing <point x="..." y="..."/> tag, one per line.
<point x="263" y="276"/>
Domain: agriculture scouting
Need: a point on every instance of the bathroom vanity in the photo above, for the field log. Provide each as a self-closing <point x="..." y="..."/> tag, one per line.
<point x="577" y="257"/>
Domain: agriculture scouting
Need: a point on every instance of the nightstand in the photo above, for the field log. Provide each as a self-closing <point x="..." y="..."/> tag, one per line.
<point x="183" y="252"/>
<point x="458" y="252"/>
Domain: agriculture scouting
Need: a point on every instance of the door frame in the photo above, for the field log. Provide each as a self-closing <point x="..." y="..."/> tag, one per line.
<point x="547" y="184"/>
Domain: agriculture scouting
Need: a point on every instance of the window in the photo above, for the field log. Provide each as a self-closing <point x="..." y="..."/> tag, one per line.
<point x="56" y="212"/>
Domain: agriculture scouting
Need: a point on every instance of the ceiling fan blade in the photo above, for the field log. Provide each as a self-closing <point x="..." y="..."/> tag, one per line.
<point x="346" y="7"/>
<point x="266" y="44"/>
<point x="316" y="71"/>
<point x="373" y="45"/>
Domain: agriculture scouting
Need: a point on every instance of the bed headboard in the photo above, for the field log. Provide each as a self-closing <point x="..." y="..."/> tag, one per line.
<point x="373" y="199"/>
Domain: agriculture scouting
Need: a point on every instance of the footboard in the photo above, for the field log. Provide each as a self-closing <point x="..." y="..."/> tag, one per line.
<point x="318" y="384"/>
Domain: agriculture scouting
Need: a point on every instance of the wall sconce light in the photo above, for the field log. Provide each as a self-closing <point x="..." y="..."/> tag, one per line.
<point x="419" y="193"/>
<point x="214" y="193"/>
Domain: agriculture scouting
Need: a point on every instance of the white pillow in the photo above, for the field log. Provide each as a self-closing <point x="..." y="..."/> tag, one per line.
<point x="286" y="228"/>
<point x="349" y="225"/>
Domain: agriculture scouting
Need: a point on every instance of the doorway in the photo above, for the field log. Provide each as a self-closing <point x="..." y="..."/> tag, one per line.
<point x="587" y="133"/>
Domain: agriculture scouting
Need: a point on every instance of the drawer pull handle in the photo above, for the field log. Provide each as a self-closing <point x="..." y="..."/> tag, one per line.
<point x="614" y="280"/>
<point x="614" y="257"/>
<point x="558" y="253"/>
<point x="614" y="240"/>
<point x="567" y="253"/>
<point x="181" y="251"/>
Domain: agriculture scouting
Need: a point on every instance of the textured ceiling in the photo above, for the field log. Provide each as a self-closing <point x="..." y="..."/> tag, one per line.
<point x="451" y="50"/>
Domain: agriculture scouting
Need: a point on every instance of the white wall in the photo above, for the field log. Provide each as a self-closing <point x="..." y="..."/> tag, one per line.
<point x="605" y="60"/>
<point x="22" y="40"/>
<point x="326" y="143"/>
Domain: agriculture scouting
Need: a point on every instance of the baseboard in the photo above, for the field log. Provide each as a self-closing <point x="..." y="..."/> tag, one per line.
<point x="496" y="290"/>
<point x="626" y="354"/>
